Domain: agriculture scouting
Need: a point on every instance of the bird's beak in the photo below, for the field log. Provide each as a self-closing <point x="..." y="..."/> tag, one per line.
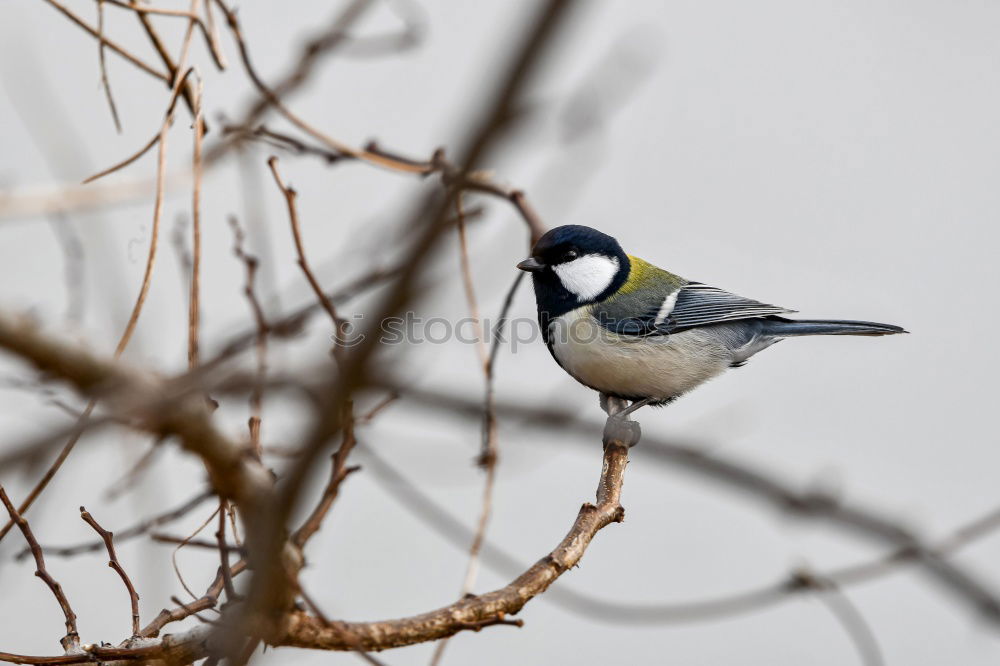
<point x="531" y="265"/>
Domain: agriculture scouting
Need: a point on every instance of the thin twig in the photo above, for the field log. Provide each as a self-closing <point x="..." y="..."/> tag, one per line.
<point x="110" y="44"/>
<point x="290" y="194"/>
<point x="311" y="52"/>
<point x="168" y="119"/>
<point x="209" y="32"/>
<point x="850" y="618"/>
<point x="174" y="69"/>
<point x="263" y="329"/>
<point x="184" y="542"/>
<point x="338" y="472"/>
<point x="72" y="639"/>
<point x="161" y="170"/>
<point x="194" y="307"/>
<point x="109" y="543"/>
<point x="220" y="537"/>
<point x="129" y="533"/>
<point x="205" y="602"/>
<point x="172" y="539"/>
<point x="104" y="67"/>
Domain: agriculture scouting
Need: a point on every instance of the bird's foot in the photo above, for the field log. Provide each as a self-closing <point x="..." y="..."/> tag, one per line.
<point x="622" y="430"/>
<point x="619" y="427"/>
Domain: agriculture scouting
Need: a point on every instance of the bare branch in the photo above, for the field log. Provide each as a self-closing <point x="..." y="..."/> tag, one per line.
<point x="293" y="218"/>
<point x="851" y="619"/>
<point x="72" y="639"/>
<point x="262" y="332"/>
<point x="111" y="45"/>
<point x="339" y="471"/>
<point x="104" y="68"/>
<point x="194" y="304"/>
<point x="109" y="543"/>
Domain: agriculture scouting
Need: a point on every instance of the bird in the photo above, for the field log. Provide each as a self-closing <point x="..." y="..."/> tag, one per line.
<point x="639" y="334"/>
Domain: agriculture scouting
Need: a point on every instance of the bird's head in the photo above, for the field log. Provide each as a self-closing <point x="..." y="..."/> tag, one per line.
<point x="575" y="265"/>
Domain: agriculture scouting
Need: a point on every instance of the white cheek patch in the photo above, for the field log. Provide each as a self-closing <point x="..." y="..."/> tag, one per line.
<point x="587" y="276"/>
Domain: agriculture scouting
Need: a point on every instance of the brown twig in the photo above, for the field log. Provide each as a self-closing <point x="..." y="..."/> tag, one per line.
<point x="438" y="164"/>
<point x="194" y="307"/>
<point x="110" y="44"/>
<point x="220" y="537"/>
<point x="125" y="162"/>
<point x="293" y="217"/>
<point x="109" y="543"/>
<point x="158" y="537"/>
<point x="174" y="69"/>
<point x="161" y="170"/>
<point x="183" y="611"/>
<point x="338" y="472"/>
<point x="184" y="542"/>
<point x="209" y="32"/>
<point x="168" y="119"/>
<point x="376" y="409"/>
<point x="263" y="330"/>
<point x="311" y="53"/>
<point x="129" y="533"/>
<point x="72" y="639"/>
<point x="104" y="67"/>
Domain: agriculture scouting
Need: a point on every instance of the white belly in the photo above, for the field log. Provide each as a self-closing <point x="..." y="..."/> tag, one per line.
<point x="661" y="367"/>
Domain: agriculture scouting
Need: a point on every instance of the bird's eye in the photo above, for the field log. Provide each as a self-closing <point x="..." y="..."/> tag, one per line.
<point x="570" y="255"/>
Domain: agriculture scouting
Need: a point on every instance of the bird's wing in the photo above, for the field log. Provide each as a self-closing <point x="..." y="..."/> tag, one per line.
<point x="665" y="307"/>
<point x="700" y="305"/>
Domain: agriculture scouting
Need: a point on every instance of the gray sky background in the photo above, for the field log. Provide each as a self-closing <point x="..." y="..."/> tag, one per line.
<point x="839" y="158"/>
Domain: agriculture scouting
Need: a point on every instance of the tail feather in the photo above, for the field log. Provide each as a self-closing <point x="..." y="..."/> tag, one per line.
<point x="786" y="328"/>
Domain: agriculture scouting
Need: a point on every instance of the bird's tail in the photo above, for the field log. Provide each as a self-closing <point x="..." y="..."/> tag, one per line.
<point x="785" y="328"/>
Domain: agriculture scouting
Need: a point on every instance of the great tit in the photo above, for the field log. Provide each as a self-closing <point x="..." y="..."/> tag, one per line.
<point x="635" y="332"/>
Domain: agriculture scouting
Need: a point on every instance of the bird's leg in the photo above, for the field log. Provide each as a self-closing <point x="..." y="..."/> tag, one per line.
<point x="636" y="405"/>
<point x="612" y="406"/>
<point x="619" y="427"/>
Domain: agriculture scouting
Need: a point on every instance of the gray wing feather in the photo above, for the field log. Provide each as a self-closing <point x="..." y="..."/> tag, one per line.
<point x="700" y="305"/>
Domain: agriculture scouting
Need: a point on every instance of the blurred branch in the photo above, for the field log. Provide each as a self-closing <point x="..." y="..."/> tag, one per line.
<point x="236" y="475"/>
<point x="761" y="485"/>
<point x="853" y="622"/>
